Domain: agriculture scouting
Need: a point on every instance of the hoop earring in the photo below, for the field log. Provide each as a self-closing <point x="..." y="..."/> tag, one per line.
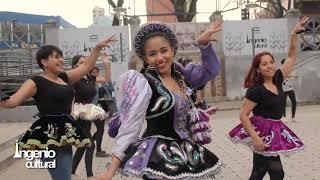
<point x="258" y="72"/>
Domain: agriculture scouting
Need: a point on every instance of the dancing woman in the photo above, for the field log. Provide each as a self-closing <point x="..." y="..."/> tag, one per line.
<point x="264" y="132"/>
<point x="170" y="147"/>
<point x="53" y="94"/>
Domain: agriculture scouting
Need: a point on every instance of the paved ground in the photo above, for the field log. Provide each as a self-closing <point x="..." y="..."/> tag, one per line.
<point x="237" y="158"/>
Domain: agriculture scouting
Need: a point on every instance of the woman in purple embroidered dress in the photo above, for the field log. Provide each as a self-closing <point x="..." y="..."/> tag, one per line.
<point x="170" y="147"/>
<point x="264" y="132"/>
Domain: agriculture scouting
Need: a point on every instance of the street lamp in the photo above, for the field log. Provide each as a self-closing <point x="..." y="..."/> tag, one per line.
<point x="253" y="30"/>
<point x="119" y="11"/>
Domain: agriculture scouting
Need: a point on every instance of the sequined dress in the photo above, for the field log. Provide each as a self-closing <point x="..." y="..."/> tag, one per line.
<point x="166" y="149"/>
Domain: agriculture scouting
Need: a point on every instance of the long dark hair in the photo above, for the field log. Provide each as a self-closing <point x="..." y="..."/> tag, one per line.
<point x="75" y="60"/>
<point x="253" y="77"/>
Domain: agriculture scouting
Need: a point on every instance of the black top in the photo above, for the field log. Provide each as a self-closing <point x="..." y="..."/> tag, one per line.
<point x="51" y="97"/>
<point x="269" y="105"/>
<point x="161" y="120"/>
<point x="3" y="96"/>
<point x="85" y="89"/>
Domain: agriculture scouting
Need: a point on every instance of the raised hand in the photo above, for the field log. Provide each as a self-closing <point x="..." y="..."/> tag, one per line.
<point x="208" y="35"/>
<point x="105" y="58"/>
<point x="299" y="27"/>
<point x="105" y="42"/>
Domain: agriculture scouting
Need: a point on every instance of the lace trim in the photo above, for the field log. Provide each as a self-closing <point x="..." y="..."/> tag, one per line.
<point x="277" y="153"/>
<point x="246" y="142"/>
<point x="63" y="141"/>
<point x="210" y="172"/>
<point x="88" y="112"/>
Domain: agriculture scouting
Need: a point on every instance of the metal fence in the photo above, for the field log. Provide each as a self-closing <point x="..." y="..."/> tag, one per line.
<point x="311" y="37"/>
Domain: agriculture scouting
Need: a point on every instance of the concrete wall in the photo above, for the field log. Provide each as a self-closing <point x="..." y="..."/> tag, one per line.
<point x="236" y="65"/>
<point x="236" y="68"/>
<point x="307" y="85"/>
<point x="307" y="69"/>
<point x="18" y="114"/>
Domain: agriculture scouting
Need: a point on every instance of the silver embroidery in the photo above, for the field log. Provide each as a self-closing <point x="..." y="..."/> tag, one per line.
<point x="170" y="100"/>
<point x="159" y="101"/>
<point x="51" y="132"/>
<point x="183" y="155"/>
<point x="289" y="137"/>
<point x="70" y="130"/>
<point x="267" y="139"/>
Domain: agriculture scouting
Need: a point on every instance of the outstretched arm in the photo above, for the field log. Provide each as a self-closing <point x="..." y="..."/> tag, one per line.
<point x="26" y="91"/>
<point x="75" y="74"/>
<point x="107" y="70"/>
<point x="287" y="66"/>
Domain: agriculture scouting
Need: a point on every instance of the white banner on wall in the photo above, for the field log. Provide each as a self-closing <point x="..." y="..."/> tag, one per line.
<point x="187" y="34"/>
<point x="269" y="35"/>
<point x="73" y="41"/>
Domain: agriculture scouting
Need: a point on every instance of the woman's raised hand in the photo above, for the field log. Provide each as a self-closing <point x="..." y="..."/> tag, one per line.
<point x="105" y="42"/>
<point x="299" y="27"/>
<point x="208" y="35"/>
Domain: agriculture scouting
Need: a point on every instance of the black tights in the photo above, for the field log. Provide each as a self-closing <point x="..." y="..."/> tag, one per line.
<point x="292" y="97"/>
<point x="263" y="164"/>
<point x="85" y="127"/>
<point x="99" y="133"/>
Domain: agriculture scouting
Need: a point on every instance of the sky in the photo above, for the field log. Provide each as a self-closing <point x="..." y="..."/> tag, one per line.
<point x="79" y="12"/>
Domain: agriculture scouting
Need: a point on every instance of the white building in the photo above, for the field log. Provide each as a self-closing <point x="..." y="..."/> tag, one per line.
<point x="99" y="18"/>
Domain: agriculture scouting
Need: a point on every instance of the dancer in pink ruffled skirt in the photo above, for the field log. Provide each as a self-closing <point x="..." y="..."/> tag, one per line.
<point x="264" y="132"/>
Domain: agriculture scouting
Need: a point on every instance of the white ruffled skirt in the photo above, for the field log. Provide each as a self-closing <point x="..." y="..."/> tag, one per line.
<point x="88" y="112"/>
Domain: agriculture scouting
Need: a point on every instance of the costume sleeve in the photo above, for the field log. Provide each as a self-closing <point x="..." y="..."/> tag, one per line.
<point x="133" y="95"/>
<point x="199" y="74"/>
<point x="254" y="94"/>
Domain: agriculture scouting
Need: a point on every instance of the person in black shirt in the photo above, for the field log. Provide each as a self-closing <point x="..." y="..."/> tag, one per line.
<point x="264" y="132"/>
<point x="289" y="91"/>
<point x="53" y="95"/>
<point x="85" y="92"/>
<point x="99" y="99"/>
